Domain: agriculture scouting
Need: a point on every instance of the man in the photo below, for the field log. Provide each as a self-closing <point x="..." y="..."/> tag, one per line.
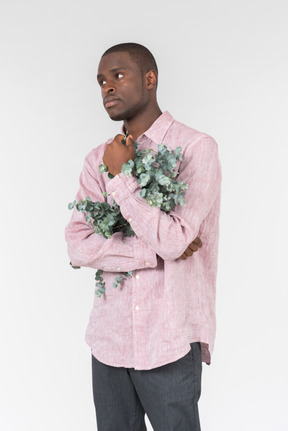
<point x="149" y="336"/>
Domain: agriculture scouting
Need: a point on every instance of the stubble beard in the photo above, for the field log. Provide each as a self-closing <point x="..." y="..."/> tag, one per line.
<point x="132" y="111"/>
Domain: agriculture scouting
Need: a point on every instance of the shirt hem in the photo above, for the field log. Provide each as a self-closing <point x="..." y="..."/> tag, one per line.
<point x="139" y="367"/>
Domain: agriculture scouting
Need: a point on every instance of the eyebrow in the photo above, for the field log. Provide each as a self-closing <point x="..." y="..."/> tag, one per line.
<point x="115" y="69"/>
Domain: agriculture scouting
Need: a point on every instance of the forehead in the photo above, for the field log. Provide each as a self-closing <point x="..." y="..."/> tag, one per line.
<point x="117" y="60"/>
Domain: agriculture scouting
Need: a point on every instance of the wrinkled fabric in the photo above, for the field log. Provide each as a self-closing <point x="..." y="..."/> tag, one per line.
<point x="151" y="318"/>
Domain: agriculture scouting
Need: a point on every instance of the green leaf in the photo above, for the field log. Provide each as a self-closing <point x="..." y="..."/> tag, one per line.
<point x="71" y="205"/>
<point x="102" y="169"/>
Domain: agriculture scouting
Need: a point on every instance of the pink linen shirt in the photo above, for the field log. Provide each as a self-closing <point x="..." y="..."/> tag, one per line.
<point x="151" y="318"/>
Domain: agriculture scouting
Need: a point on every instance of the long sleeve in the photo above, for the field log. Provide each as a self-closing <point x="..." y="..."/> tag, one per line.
<point x="170" y="234"/>
<point x="175" y="300"/>
<point x="85" y="248"/>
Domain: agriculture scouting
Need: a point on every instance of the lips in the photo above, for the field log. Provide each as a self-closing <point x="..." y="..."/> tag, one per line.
<point x="109" y="102"/>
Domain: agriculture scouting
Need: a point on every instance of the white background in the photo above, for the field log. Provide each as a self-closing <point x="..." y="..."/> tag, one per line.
<point x="223" y="70"/>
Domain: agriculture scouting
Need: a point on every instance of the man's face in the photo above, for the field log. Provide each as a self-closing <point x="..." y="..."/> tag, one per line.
<point x="122" y="86"/>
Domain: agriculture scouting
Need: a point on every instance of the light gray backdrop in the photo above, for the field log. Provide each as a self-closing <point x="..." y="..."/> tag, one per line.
<point x="223" y="70"/>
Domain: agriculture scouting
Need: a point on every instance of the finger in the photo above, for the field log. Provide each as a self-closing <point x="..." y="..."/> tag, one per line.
<point x="197" y="241"/>
<point x="130" y="141"/>
<point x="188" y="251"/>
<point x="119" y="137"/>
<point x="183" y="257"/>
<point x="194" y="247"/>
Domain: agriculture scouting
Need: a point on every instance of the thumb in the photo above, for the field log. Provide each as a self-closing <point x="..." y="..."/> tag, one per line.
<point x="130" y="141"/>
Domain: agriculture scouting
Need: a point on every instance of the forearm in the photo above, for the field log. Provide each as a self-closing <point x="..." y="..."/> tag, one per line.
<point x="87" y="248"/>
<point x="167" y="234"/>
<point x="170" y="234"/>
<point x="119" y="253"/>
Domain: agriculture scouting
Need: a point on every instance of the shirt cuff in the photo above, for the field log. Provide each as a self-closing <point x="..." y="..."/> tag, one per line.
<point x="121" y="186"/>
<point x="144" y="255"/>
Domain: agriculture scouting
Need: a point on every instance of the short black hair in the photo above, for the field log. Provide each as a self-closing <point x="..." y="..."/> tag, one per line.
<point x="138" y="53"/>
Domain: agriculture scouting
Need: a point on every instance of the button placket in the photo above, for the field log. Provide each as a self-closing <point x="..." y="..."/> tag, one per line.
<point x="136" y="316"/>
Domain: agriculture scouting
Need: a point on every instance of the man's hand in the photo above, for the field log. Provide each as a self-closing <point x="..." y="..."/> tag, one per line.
<point x="116" y="153"/>
<point x="197" y="243"/>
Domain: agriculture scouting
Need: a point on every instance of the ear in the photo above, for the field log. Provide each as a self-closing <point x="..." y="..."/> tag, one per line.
<point x="151" y="79"/>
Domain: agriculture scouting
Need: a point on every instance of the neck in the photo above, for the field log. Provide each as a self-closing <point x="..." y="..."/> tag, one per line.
<point x="142" y="122"/>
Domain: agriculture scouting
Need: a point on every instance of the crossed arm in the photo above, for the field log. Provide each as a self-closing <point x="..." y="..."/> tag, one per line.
<point x="168" y="234"/>
<point x="115" y="155"/>
<point x="152" y="239"/>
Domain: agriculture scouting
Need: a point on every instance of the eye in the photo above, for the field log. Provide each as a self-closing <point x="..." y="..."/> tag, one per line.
<point x="102" y="82"/>
<point x="119" y="75"/>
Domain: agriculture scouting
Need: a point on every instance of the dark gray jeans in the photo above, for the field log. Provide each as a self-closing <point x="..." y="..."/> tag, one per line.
<point x="167" y="394"/>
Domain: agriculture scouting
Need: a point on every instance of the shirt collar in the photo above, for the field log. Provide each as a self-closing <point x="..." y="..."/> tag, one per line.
<point x="158" y="129"/>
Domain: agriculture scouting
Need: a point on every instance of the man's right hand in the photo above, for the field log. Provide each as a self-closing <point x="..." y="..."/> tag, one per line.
<point x="194" y="246"/>
<point x="116" y="154"/>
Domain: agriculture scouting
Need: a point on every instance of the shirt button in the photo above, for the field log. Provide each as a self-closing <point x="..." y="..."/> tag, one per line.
<point x="113" y="193"/>
<point x="137" y="307"/>
<point x="118" y="268"/>
<point x="129" y="219"/>
<point x="147" y="263"/>
<point x="137" y="277"/>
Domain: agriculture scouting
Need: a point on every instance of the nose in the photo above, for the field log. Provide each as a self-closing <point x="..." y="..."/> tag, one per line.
<point x="108" y="88"/>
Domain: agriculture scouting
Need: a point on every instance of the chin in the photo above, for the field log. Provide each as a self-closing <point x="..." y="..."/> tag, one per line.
<point x="121" y="116"/>
<point x="116" y="117"/>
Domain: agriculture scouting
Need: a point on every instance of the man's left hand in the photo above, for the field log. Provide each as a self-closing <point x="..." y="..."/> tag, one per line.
<point x="116" y="154"/>
<point x="192" y="248"/>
